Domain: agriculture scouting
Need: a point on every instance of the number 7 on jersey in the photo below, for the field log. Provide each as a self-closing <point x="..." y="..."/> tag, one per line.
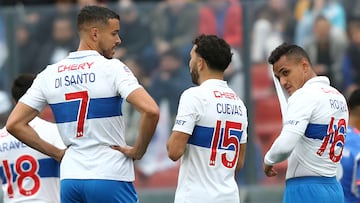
<point x="82" y="113"/>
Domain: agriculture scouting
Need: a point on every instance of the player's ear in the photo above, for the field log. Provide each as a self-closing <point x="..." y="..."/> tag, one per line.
<point x="94" y="33"/>
<point x="305" y="65"/>
<point x="200" y="63"/>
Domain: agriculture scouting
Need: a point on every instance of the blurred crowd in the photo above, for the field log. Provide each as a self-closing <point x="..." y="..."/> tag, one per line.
<point x="157" y="38"/>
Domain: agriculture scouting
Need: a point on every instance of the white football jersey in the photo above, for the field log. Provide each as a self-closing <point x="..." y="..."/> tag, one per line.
<point x="314" y="131"/>
<point x="85" y="92"/>
<point x="28" y="175"/>
<point x="216" y="119"/>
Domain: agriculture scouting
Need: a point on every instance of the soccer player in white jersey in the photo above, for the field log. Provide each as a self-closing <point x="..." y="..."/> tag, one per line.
<point x="85" y="91"/>
<point x="313" y="133"/>
<point x="350" y="163"/>
<point x="29" y="176"/>
<point x="210" y="131"/>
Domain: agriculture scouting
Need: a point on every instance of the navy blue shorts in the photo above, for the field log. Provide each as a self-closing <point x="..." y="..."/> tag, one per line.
<point x="313" y="189"/>
<point x="95" y="191"/>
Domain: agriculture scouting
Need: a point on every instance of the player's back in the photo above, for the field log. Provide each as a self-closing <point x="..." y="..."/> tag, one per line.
<point x="85" y="92"/>
<point x="28" y="175"/>
<point x="322" y="111"/>
<point x="208" y="164"/>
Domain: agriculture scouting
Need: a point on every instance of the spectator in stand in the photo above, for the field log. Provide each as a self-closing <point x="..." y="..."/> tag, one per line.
<point x="5" y="107"/>
<point x="132" y="33"/>
<point x="3" y="53"/>
<point x="326" y="48"/>
<point x="46" y="18"/>
<point x="331" y="9"/>
<point x="351" y="64"/>
<point x="63" y="42"/>
<point x="352" y="9"/>
<point x="173" y="25"/>
<point x="224" y="19"/>
<point x="272" y="26"/>
<point x="172" y="74"/>
<point x="26" y="47"/>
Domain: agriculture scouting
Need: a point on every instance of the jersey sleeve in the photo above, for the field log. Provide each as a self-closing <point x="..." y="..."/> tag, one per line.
<point x="300" y="109"/>
<point x="125" y="80"/>
<point x="188" y="113"/>
<point x="34" y="96"/>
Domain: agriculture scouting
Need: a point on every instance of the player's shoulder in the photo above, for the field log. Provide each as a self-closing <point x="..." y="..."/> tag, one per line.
<point x="116" y="65"/>
<point x="192" y="92"/>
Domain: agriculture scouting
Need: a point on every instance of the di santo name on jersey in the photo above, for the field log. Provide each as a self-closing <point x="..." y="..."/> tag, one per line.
<point x="74" y="79"/>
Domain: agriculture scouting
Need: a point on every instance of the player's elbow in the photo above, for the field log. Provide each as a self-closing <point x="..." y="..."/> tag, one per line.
<point x="174" y="156"/>
<point x="153" y="112"/>
<point x="174" y="153"/>
<point x="12" y="126"/>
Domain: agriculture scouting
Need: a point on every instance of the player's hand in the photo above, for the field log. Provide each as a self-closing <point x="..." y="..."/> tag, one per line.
<point x="129" y="151"/>
<point x="269" y="171"/>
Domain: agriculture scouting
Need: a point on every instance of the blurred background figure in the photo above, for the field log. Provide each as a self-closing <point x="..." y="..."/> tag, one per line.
<point x="135" y="34"/>
<point x="173" y="26"/>
<point x="41" y="20"/>
<point x="27" y="48"/>
<point x="351" y="65"/>
<point x="173" y="74"/>
<point x="3" y="54"/>
<point x="5" y="107"/>
<point x="224" y="19"/>
<point x="326" y="47"/>
<point x="331" y="9"/>
<point x="5" y="104"/>
<point x="63" y="41"/>
<point x="272" y="26"/>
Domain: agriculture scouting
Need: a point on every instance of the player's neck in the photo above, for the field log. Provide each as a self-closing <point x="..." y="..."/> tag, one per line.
<point x="211" y="75"/>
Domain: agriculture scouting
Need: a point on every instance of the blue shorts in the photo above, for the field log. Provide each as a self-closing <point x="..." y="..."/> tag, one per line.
<point x="313" y="189"/>
<point x="95" y="191"/>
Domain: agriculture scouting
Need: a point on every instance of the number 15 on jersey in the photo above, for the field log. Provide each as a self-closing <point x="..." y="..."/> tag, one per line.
<point x="227" y="138"/>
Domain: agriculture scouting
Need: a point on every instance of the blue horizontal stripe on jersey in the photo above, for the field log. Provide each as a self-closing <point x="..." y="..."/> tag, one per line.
<point x="97" y="108"/>
<point x="203" y="136"/>
<point x="48" y="168"/>
<point x="316" y="131"/>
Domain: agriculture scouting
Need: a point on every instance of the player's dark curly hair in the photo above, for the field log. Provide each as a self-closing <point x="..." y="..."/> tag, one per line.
<point x="20" y="85"/>
<point x="95" y="14"/>
<point x="214" y="50"/>
<point x="289" y="50"/>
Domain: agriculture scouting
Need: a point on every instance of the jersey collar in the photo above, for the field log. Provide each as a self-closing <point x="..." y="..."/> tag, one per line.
<point x="79" y="54"/>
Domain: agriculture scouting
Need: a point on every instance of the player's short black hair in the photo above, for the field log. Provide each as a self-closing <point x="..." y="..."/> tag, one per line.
<point x="214" y="50"/>
<point x="95" y="14"/>
<point x="289" y="50"/>
<point x="21" y="84"/>
<point x="354" y="99"/>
